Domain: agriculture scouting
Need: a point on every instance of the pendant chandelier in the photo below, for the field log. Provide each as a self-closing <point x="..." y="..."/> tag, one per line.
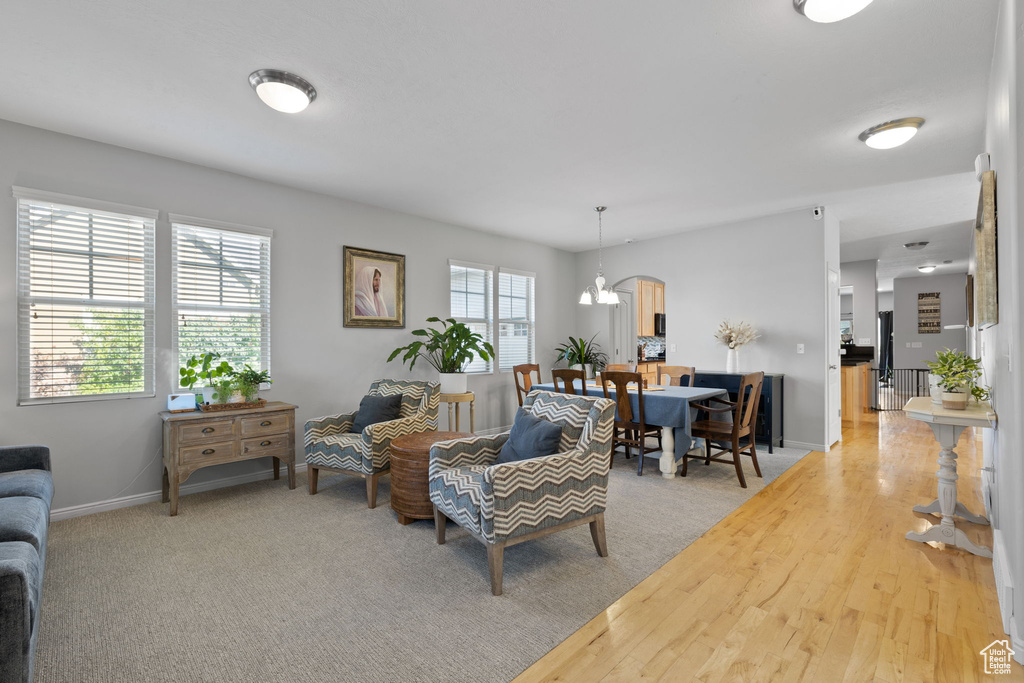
<point x="598" y="291"/>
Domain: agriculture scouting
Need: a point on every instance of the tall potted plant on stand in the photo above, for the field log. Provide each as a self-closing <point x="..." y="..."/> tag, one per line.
<point x="448" y="350"/>
<point x="582" y="354"/>
<point x="958" y="376"/>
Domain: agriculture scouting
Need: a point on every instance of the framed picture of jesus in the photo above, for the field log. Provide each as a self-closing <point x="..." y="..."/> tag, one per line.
<point x="374" y="293"/>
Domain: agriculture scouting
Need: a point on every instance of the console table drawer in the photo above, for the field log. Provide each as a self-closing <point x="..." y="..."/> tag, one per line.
<point x="209" y="453"/>
<point x="271" y="423"/>
<point x="268" y="445"/>
<point x="206" y="431"/>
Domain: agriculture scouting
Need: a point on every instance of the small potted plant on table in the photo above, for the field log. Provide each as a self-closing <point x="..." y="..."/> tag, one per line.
<point x="204" y="368"/>
<point x="449" y="350"/>
<point x="582" y="354"/>
<point x="249" y="381"/>
<point x="958" y="376"/>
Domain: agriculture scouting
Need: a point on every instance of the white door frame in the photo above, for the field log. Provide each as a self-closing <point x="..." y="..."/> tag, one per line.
<point x="833" y="379"/>
<point x="622" y="349"/>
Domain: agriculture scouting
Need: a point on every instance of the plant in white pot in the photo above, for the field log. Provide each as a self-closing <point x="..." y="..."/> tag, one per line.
<point x="583" y="355"/>
<point x="449" y="350"/>
<point x="203" y="369"/>
<point x="958" y="376"/>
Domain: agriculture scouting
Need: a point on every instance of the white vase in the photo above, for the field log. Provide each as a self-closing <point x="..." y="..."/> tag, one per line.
<point x="588" y="369"/>
<point x="732" y="360"/>
<point x="208" y="393"/>
<point x="454" y="382"/>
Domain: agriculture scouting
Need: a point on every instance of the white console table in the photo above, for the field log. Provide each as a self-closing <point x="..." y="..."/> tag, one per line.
<point x="948" y="425"/>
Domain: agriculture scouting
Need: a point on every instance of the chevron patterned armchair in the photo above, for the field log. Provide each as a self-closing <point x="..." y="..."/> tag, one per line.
<point x="330" y="445"/>
<point x="507" y="503"/>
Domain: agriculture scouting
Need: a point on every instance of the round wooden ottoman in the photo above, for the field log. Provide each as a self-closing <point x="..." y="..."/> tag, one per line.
<point x="410" y="458"/>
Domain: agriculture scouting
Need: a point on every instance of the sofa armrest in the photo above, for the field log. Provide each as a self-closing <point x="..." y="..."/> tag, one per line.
<point x="479" y="450"/>
<point x="328" y="425"/>
<point x="14" y="458"/>
<point x="20" y="576"/>
<point x="540" y="492"/>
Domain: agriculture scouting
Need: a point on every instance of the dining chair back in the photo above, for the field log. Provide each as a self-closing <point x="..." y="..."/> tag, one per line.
<point x="675" y="375"/>
<point x="565" y="381"/>
<point x="523" y="375"/>
<point x="633" y="426"/>
<point x="620" y="367"/>
<point x="743" y="413"/>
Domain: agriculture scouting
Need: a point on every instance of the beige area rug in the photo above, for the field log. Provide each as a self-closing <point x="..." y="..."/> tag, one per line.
<point x="261" y="583"/>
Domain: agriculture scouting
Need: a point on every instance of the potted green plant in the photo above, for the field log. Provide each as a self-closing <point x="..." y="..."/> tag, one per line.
<point x="582" y="354"/>
<point x="203" y="368"/>
<point x="225" y="390"/>
<point x="249" y="381"/>
<point x="958" y="376"/>
<point x="448" y="350"/>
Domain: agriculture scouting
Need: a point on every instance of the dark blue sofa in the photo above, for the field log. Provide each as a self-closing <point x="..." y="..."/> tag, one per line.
<point x="26" y="490"/>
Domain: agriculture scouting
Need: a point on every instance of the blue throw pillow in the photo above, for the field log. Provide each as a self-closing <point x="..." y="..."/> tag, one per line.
<point x="531" y="437"/>
<point x="374" y="409"/>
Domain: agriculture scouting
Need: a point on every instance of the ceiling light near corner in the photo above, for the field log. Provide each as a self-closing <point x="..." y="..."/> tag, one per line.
<point x="281" y="90"/>
<point x="891" y="133"/>
<point x="926" y="269"/>
<point x="829" y="11"/>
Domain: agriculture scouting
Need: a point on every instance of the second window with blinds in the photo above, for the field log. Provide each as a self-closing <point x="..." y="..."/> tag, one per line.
<point x="472" y="302"/>
<point x="221" y="292"/>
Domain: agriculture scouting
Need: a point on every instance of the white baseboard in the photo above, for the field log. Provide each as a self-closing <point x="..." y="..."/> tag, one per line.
<point x="495" y="430"/>
<point x="154" y="496"/>
<point x="803" y="444"/>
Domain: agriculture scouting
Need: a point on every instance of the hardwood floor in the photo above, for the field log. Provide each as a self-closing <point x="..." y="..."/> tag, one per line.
<point x="811" y="580"/>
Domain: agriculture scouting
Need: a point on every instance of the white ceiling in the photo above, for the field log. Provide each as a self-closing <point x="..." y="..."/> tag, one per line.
<point x="945" y="243"/>
<point x="518" y="117"/>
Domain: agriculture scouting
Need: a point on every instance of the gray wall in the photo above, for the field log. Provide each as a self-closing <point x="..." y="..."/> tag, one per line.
<point x="904" y="318"/>
<point x="884" y="301"/>
<point x="770" y="272"/>
<point x="1000" y="345"/>
<point x="861" y="276"/>
<point x="109" y="449"/>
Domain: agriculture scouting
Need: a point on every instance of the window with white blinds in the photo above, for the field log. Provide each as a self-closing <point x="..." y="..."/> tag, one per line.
<point x="516" y="318"/>
<point x="472" y="303"/>
<point x="86" y="298"/>
<point x="220" y="282"/>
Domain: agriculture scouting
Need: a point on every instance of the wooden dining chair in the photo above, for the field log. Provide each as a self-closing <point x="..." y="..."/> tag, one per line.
<point x="620" y="367"/>
<point x="634" y="428"/>
<point x="568" y="379"/>
<point x="675" y="375"/>
<point x="744" y="415"/>
<point x="523" y="375"/>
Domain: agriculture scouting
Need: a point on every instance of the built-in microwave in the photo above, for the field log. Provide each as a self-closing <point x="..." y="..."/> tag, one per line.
<point x="659" y="324"/>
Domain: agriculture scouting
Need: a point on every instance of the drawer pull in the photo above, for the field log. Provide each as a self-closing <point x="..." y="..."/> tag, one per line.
<point x="207" y="430"/>
<point x="266" y="443"/>
<point x="266" y="423"/>
<point x="209" y="451"/>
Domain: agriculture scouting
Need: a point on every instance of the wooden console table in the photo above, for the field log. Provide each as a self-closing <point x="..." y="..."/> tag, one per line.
<point x="196" y="440"/>
<point x="947" y="426"/>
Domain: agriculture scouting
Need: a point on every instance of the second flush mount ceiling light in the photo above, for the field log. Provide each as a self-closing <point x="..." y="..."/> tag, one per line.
<point x="829" y="11"/>
<point x="281" y="90"/>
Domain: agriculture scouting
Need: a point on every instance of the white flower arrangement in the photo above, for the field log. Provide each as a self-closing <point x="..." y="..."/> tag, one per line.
<point x="736" y="335"/>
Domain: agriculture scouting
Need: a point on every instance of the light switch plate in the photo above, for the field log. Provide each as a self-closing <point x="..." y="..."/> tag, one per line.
<point x="672" y="348"/>
<point x="908" y="345"/>
<point x="864" y="342"/>
<point x="799" y="348"/>
<point x="915" y="345"/>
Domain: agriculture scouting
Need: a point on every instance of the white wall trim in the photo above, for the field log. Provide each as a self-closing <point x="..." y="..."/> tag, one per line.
<point x="493" y="431"/>
<point x="820" y="447"/>
<point x="155" y="496"/>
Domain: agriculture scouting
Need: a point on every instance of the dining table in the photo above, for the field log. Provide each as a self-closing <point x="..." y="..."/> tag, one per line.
<point x="666" y="407"/>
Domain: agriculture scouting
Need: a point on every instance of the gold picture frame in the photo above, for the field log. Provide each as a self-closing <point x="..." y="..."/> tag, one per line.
<point x="374" y="288"/>
<point x="986" y="277"/>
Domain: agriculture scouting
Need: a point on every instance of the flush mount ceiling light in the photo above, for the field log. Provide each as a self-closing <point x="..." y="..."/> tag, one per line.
<point x="891" y="133"/>
<point x="926" y="269"/>
<point x="915" y="245"/>
<point x="828" y="11"/>
<point x="598" y="291"/>
<point x="281" y="90"/>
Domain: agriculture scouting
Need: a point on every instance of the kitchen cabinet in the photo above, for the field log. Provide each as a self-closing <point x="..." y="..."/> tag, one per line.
<point x="651" y="300"/>
<point x="649" y="369"/>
